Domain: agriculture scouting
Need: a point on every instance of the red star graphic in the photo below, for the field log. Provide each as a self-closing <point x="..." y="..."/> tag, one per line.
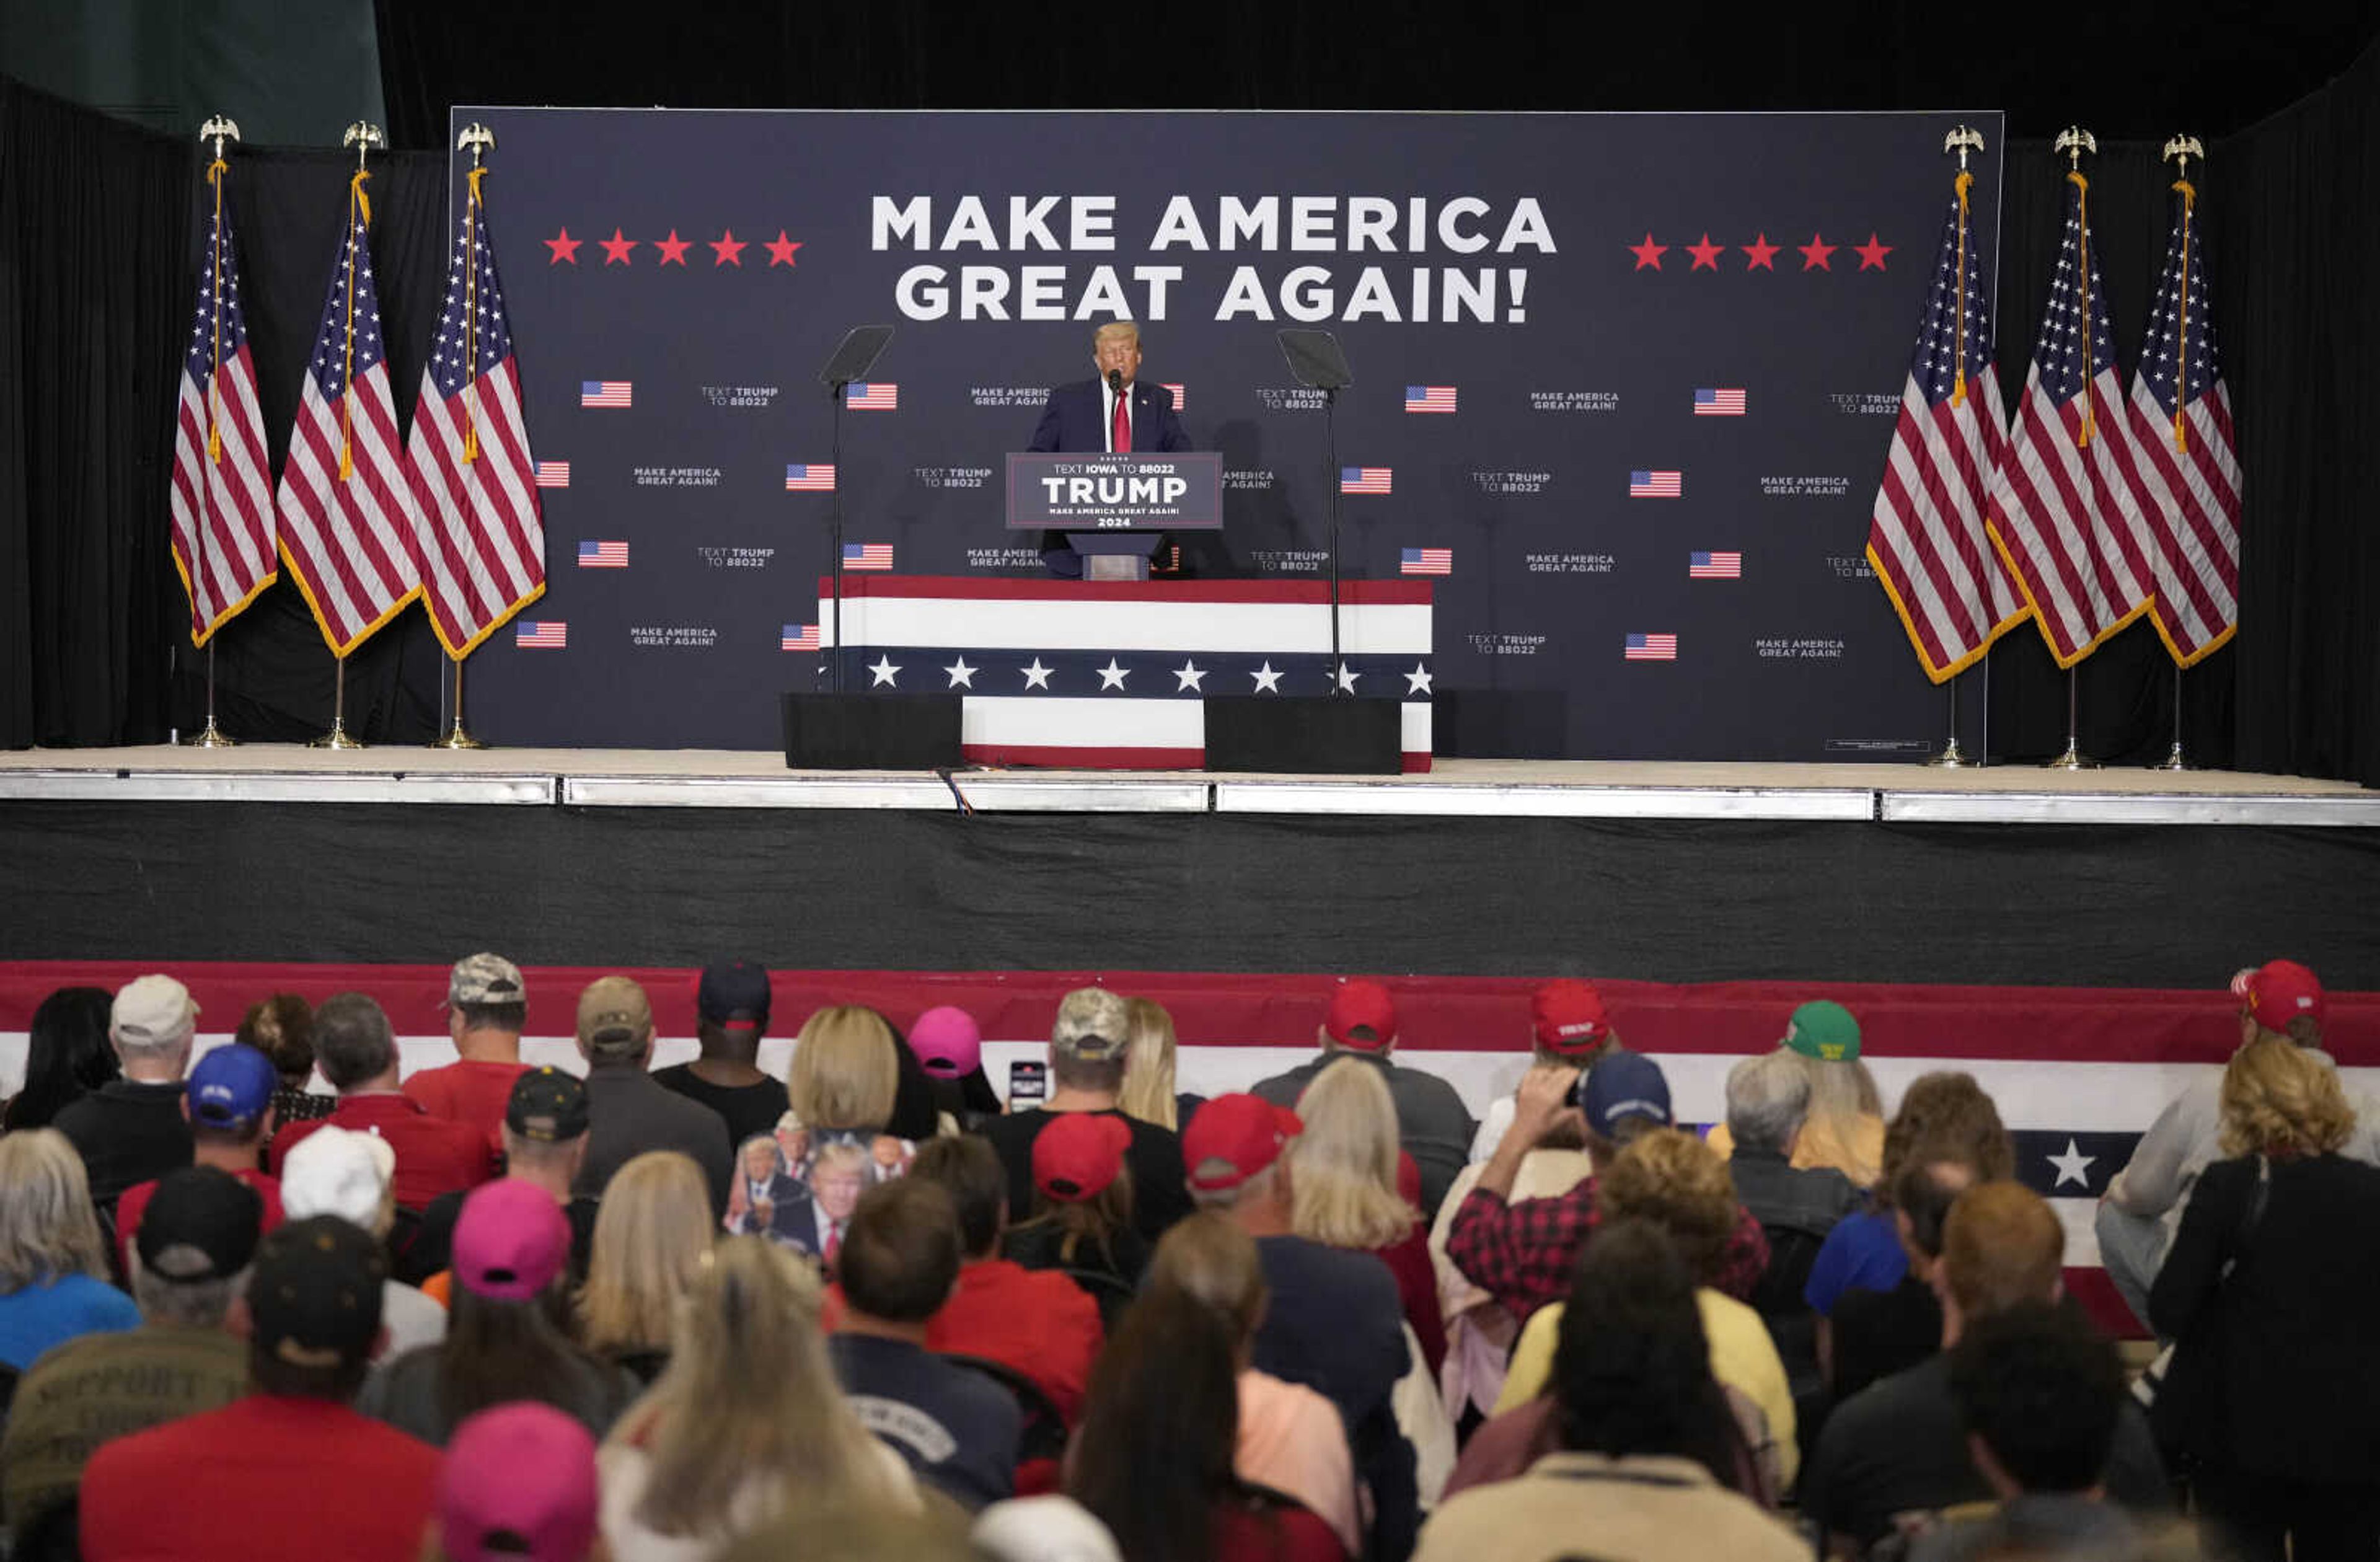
<point x="616" y="247"/>
<point x="1763" y="254"/>
<point x="1648" y="253"/>
<point x="729" y="248"/>
<point x="1815" y="253"/>
<point x="564" y="248"/>
<point x="1872" y="253"/>
<point x="1705" y="254"/>
<point x="780" y="249"/>
<point x="673" y="249"/>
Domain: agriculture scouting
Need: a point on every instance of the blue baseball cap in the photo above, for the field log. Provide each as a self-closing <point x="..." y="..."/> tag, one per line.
<point x="1621" y="1085"/>
<point x="230" y="1088"/>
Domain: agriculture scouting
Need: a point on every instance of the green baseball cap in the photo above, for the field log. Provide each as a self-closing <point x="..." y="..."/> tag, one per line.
<point x="1824" y="1030"/>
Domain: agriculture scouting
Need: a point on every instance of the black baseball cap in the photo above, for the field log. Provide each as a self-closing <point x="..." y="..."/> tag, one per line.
<point x="547" y="1105"/>
<point x="202" y="1223"/>
<point x="315" y="1292"/>
<point x="732" y="993"/>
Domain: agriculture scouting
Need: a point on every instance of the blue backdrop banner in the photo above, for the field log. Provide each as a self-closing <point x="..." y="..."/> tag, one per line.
<point x="1623" y="388"/>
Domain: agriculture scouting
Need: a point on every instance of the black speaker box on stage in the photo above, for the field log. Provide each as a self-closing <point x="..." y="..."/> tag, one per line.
<point x="871" y="731"/>
<point x="1322" y="735"/>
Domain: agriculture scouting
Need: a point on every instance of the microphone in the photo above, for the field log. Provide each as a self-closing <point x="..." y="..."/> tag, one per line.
<point x="1115" y="380"/>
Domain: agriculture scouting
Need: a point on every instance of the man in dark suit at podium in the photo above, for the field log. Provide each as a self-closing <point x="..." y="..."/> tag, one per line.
<point x="1113" y="412"/>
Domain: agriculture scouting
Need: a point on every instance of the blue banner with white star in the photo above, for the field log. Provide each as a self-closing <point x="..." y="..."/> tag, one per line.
<point x="1621" y="382"/>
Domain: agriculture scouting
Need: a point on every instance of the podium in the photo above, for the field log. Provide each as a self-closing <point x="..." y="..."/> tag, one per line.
<point x="1114" y="508"/>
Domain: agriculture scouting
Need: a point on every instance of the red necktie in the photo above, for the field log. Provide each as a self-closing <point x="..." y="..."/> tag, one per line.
<point x="1123" y="441"/>
<point x="834" y="1246"/>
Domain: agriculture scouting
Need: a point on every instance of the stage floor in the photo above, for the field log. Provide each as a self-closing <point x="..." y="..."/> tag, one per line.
<point x="1456" y="787"/>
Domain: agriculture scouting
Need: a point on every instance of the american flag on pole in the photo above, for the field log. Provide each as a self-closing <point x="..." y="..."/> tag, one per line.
<point x="1363" y="480"/>
<point x="798" y="637"/>
<point x="1925" y="537"/>
<point x="878" y="397"/>
<point x="1656" y="485"/>
<point x="482" y="536"/>
<point x="347" y="506"/>
<point x="222" y="498"/>
<point x="1426" y="561"/>
<point x="2065" y="504"/>
<point x="1430" y="398"/>
<point x="813" y="479"/>
<point x="1649" y="647"/>
<point x="603" y="556"/>
<point x="867" y="556"/>
<point x="1715" y="567"/>
<point x="2189" y="460"/>
<point x="1722" y="402"/>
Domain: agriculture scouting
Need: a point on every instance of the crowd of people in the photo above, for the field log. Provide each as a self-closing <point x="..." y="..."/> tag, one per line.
<point x="495" y="1310"/>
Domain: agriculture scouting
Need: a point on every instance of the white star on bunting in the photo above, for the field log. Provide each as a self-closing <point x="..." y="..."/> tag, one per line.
<point x="1187" y="677"/>
<point x="1347" y="678"/>
<point x="1112" y="676"/>
<point x="1268" y="681"/>
<point x="1037" y="676"/>
<point x="1418" y="681"/>
<point x="886" y="674"/>
<point x="2073" y="1166"/>
<point x="962" y="675"/>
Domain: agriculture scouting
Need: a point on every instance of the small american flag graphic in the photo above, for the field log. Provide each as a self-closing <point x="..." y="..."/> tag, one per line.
<point x="1650" y="648"/>
<point x="871" y="397"/>
<point x="553" y="474"/>
<point x="605" y="393"/>
<point x="1721" y="403"/>
<point x="867" y="556"/>
<point x="808" y="479"/>
<point x="1426" y="561"/>
<point x="1176" y="391"/>
<point x="1429" y="398"/>
<point x="1715" y="567"/>
<point x="799" y="637"/>
<point x="542" y="634"/>
<point x="603" y="555"/>
<point x="1363" y="480"/>
<point x="1656" y="485"/>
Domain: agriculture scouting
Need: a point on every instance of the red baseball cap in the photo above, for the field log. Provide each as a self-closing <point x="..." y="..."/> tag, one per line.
<point x="1233" y="1138"/>
<point x="518" y="1482"/>
<point x="2278" y="991"/>
<point x="1365" y="1005"/>
<point x="1079" y="1154"/>
<point x="1567" y="1017"/>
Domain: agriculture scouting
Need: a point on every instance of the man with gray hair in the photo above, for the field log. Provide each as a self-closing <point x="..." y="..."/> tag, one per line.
<point x="357" y="1052"/>
<point x="190" y="1260"/>
<point x="1767" y="1099"/>
<point x="131" y="1129"/>
<point x="1087" y="1061"/>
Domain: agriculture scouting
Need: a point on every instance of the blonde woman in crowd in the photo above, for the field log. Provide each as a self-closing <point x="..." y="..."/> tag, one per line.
<point x="1148" y="1092"/>
<point x="52" y="1261"/>
<point x="844" y="1073"/>
<point x="1845" y="1125"/>
<point x="652" y="1238"/>
<point x="746" y="1423"/>
<point x="1343" y="1190"/>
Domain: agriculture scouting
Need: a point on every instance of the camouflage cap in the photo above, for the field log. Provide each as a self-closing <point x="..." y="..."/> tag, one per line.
<point x="485" y="979"/>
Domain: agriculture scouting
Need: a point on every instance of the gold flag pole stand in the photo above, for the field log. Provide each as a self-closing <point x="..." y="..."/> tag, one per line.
<point x="456" y="738"/>
<point x="337" y="737"/>
<point x="2174" y="759"/>
<point x="477" y="139"/>
<point x="2073" y="758"/>
<point x="217" y="129"/>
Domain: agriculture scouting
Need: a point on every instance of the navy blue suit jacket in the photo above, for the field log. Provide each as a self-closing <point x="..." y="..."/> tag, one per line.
<point x="1075" y="419"/>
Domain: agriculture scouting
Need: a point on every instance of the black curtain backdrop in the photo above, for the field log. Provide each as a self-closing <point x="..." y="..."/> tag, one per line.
<point x="98" y="226"/>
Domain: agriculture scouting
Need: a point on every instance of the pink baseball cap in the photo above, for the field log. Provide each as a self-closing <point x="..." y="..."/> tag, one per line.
<point x="948" y="1041"/>
<point x="510" y="1241"/>
<point x="518" y="1481"/>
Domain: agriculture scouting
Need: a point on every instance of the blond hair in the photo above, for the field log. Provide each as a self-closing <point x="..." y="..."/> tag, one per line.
<point x="2278" y="1101"/>
<point x="1147" y="1091"/>
<point x="1342" y="1184"/>
<point x="845" y="1070"/>
<point x="652" y="1236"/>
<point x="749" y="1397"/>
<point x="1210" y="1258"/>
<point x="1843" y="1094"/>
<point x="1113" y="330"/>
<point x="47" y="1230"/>
<point x="1670" y="1178"/>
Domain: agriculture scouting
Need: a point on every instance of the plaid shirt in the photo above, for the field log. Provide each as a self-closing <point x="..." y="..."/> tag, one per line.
<point x="1523" y="1253"/>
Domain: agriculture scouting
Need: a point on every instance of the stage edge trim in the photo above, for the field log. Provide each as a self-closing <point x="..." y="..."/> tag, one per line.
<point x="983" y="793"/>
<point x="1546" y="802"/>
<point x="2107" y="808"/>
<point x="378" y="786"/>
